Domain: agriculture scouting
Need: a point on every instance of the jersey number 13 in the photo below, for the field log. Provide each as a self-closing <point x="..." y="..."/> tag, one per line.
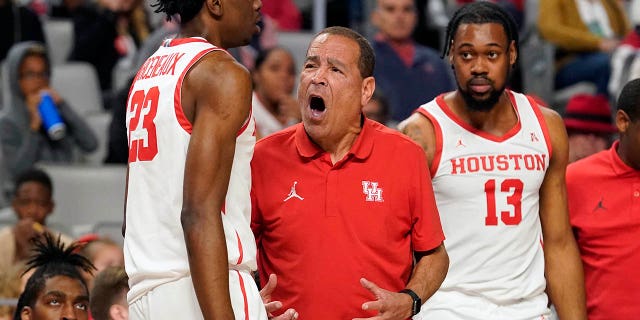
<point x="514" y="189"/>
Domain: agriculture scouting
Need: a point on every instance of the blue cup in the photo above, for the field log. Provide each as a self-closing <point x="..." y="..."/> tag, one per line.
<point x="51" y="120"/>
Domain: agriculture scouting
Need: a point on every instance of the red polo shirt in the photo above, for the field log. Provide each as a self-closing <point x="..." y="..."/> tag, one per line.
<point x="604" y="206"/>
<point x="320" y="227"/>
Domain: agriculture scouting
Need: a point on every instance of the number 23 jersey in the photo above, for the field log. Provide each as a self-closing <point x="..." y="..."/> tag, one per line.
<point x="487" y="191"/>
<point x="159" y="135"/>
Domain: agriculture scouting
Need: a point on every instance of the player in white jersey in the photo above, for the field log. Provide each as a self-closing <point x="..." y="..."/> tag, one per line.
<point x="189" y="249"/>
<point x="498" y="164"/>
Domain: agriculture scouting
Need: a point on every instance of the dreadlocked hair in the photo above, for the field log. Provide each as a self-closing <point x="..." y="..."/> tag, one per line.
<point x="478" y="13"/>
<point x="187" y="9"/>
<point x="51" y="259"/>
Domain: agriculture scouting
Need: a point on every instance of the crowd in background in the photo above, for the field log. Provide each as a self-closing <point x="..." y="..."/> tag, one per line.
<point x="594" y="51"/>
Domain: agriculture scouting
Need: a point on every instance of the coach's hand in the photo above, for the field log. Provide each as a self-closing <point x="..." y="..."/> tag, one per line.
<point x="271" y="306"/>
<point x="390" y="305"/>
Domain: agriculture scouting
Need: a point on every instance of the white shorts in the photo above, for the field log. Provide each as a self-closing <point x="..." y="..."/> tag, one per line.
<point x="451" y="305"/>
<point x="177" y="300"/>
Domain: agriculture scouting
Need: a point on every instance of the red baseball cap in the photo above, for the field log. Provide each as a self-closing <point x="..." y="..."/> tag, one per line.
<point x="589" y="113"/>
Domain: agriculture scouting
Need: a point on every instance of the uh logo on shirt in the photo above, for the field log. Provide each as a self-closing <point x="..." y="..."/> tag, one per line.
<point x="372" y="192"/>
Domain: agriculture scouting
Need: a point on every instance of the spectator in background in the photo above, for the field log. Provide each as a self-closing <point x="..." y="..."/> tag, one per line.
<point x="56" y="289"/>
<point x="285" y="13"/>
<point x="18" y="24"/>
<point x="274" y="106"/>
<point x="109" y="294"/>
<point x="589" y="126"/>
<point x="625" y="61"/>
<point x="604" y="197"/>
<point x="585" y="33"/>
<point x="407" y="73"/>
<point x="10" y="289"/>
<point x="32" y="204"/>
<point x="102" y="252"/>
<point x="23" y="138"/>
<point x="377" y="109"/>
<point x="105" y="31"/>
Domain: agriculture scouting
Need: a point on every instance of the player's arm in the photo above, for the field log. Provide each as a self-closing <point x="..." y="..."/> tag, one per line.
<point x="563" y="267"/>
<point x="420" y="129"/>
<point x="220" y="91"/>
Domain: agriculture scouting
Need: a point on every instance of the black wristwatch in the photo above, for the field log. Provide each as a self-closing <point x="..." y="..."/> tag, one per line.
<point x="417" y="302"/>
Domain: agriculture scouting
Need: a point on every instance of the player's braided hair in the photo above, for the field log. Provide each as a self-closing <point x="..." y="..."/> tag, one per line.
<point x="477" y="13"/>
<point x="51" y="259"/>
<point x="187" y="9"/>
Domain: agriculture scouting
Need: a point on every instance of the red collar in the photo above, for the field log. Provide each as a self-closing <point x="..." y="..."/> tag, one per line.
<point x="361" y="148"/>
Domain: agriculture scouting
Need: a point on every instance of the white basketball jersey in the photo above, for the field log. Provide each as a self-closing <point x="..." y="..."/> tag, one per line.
<point x="159" y="134"/>
<point x="487" y="192"/>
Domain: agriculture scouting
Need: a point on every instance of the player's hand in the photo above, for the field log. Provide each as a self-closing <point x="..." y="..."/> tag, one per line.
<point x="390" y="305"/>
<point x="271" y="306"/>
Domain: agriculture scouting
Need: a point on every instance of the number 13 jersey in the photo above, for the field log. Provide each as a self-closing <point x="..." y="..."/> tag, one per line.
<point x="159" y="135"/>
<point x="487" y="193"/>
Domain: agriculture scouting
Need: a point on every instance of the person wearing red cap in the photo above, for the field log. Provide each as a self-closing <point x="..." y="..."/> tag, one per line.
<point x="604" y="206"/>
<point x="589" y="126"/>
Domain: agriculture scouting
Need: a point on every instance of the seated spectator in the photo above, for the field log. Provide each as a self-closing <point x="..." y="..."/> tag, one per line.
<point x="106" y="31"/>
<point x="32" y="204"/>
<point x="17" y="23"/>
<point x="9" y="290"/>
<point x="102" y="252"/>
<point x="109" y="295"/>
<point x="274" y="106"/>
<point x="589" y="125"/>
<point x="22" y="135"/>
<point x="407" y="73"/>
<point x="625" y="61"/>
<point x="585" y="32"/>
<point x="56" y="289"/>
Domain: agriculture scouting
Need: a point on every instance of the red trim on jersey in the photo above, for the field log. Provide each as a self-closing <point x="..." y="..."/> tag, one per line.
<point x="246" y="122"/>
<point x="240" y="251"/>
<point x="439" y="141"/>
<point x="244" y="296"/>
<point x="512" y="132"/>
<point x="542" y="122"/>
<point x="224" y="207"/>
<point x="177" y="96"/>
<point x="179" y="41"/>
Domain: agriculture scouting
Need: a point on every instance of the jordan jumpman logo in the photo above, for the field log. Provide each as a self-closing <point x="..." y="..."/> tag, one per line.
<point x="292" y="193"/>
<point x="600" y="205"/>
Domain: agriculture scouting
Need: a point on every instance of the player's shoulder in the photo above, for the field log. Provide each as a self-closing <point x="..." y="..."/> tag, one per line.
<point x="390" y="138"/>
<point x="221" y="60"/>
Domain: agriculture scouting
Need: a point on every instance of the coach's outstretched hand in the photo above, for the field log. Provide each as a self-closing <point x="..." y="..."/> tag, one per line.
<point x="390" y="305"/>
<point x="271" y="306"/>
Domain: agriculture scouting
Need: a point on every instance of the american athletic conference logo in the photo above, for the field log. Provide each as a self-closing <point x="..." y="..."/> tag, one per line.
<point x="372" y="192"/>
